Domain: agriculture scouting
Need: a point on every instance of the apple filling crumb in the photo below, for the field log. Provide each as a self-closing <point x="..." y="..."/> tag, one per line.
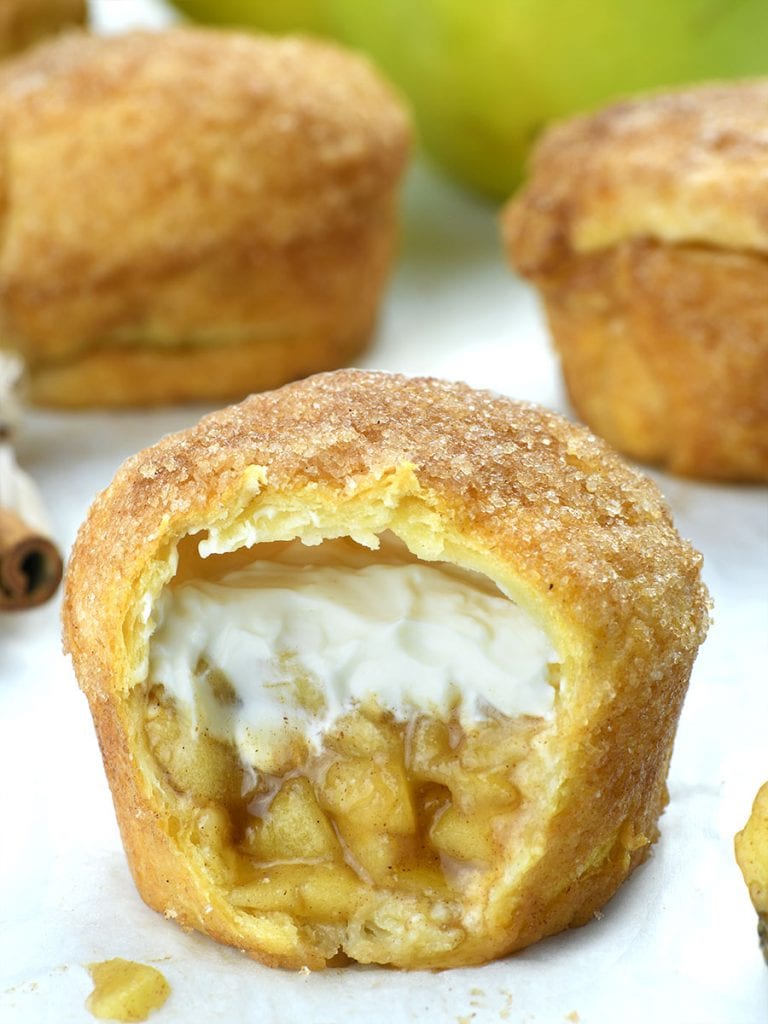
<point x="416" y="807"/>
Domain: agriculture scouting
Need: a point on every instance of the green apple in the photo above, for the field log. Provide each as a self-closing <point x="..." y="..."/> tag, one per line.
<point x="485" y="76"/>
<point x="270" y="15"/>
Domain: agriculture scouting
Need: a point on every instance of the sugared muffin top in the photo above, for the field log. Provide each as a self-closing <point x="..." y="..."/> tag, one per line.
<point x="539" y="493"/>
<point x="683" y="166"/>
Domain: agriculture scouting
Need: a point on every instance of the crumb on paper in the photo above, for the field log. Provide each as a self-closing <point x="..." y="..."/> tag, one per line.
<point x="125" y="991"/>
<point x="507" y="1007"/>
<point x="304" y="971"/>
<point x="573" y="1017"/>
<point x="25" y="986"/>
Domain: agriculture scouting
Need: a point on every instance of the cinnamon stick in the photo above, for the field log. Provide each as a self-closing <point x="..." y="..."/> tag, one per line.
<point x="30" y="564"/>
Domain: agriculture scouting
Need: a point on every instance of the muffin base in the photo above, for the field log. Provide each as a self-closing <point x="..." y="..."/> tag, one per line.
<point x="141" y="376"/>
<point x="235" y="322"/>
<point x="665" y="353"/>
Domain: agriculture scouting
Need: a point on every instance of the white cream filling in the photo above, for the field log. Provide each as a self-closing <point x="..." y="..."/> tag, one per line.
<point x="303" y="637"/>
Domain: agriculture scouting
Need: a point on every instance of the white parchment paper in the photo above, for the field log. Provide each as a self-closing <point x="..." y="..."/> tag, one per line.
<point x="677" y="944"/>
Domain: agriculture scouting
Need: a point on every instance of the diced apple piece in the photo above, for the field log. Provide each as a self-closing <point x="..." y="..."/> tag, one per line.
<point x="196" y="764"/>
<point x="276" y="889"/>
<point x="487" y="792"/>
<point x="432" y="758"/>
<point x="213" y="837"/>
<point x="497" y="746"/>
<point x="378" y="854"/>
<point x="357" y="735"/>
<point x="429" y="752"/>
<point x="372" y="794"/>
<point x="331" y="895"/>
<point x="427" y="879"/>
<point x="462" y="837"/>
<point x="323" y="891"/>
<point x="209" y="770"/>
<point x="294" y="828"/>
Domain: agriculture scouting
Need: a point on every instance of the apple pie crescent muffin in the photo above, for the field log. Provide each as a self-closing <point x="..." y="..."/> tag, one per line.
<point x="24" y="22"/>
<point x="192" y="214"/>
<point x="644" y="229"/>
<point x="752" y="855"/>
<point x="383" y="669"/>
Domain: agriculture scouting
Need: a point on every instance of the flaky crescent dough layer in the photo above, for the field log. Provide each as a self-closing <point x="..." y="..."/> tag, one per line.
<point x="643" y="228"/>
<point x="221" y="220"/>
<point x="752" y="856"/>
<point x="581" y="543"/>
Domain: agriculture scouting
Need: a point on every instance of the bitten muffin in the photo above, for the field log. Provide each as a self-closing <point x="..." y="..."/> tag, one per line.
<point x="383" y="669"/>
<point x="752" y="855"/>
<point x="24" y="22"/>
<point x="192" y="214"/>
<point x="645" y="229"/>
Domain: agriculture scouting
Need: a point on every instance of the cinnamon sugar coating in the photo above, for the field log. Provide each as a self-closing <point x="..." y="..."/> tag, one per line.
<point x="221" y="219"/>
<point x="582" y="542"/>
<point x="644" y="228"/>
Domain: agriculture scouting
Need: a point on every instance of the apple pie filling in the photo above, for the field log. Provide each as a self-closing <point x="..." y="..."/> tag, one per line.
<point x="342" y="723"/>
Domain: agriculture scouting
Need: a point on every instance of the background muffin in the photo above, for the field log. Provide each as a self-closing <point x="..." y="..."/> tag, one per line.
<point x="24" y="22"/>
<point x="221" y="217"/>
<point x="644" y="228"/>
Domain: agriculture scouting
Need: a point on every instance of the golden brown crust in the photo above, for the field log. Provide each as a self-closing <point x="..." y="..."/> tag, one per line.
<point x="583" y="542"/>
<point x="24" y="22"/>
<point x="644" y="228"/>
<point x="185" y="214"/>
<point x="752" y="855"/>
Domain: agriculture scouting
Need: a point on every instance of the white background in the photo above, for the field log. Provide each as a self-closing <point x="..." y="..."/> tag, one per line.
<point x="677" y="944"/>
